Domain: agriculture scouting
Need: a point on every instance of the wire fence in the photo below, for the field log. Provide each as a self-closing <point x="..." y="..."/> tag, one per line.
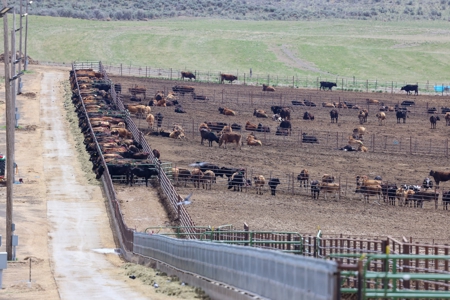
<point x="330" y="140"/>
<point x="252" y="78"/>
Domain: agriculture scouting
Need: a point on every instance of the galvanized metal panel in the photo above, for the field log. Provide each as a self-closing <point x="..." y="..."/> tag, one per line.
<point x="266" y="273"/>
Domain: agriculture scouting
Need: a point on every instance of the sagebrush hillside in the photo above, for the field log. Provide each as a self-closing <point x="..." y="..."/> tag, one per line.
<point x="391" y="10"/>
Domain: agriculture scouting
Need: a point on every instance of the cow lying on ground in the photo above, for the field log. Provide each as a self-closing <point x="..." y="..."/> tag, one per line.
<point x="226" y="111"/>
<point x="308" y="116"/>
<point x="259" y="113"/>
<point x="309" y="138"/>
<point x="268" y="88"/>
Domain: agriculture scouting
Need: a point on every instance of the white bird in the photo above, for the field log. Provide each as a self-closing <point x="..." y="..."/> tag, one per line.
<point x="186" y="200"/>
<point x="198" y="164"/>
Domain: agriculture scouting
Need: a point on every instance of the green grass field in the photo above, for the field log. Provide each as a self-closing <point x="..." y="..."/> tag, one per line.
<point x="404" y="51"/>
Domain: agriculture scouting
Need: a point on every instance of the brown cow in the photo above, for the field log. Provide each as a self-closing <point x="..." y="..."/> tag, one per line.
<point x="440" y="176"/>
<point x="187" y="74"/>
<point x="228" y="77"/>
<point x="268" y="88"/>
<point x="259" y="184"/>
<point x="231" y="138"/>
<point x="250" y="127"/>
<point x="227" y="111"/>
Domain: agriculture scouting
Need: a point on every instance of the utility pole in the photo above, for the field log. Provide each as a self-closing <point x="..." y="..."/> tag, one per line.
<point x="26" y="34"/>
<point x="19" y="85"/>
<point x="9" y="139"/>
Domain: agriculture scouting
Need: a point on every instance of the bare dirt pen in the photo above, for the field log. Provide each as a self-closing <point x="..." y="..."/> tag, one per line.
<point x="292" y="209"/>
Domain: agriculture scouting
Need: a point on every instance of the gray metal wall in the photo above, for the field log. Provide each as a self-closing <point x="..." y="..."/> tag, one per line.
<point x="267" y="273"/>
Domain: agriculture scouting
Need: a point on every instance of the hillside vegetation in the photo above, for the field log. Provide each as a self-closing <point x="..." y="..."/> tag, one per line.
<point x="406" y="51"/>
<point x="385" y="10"/>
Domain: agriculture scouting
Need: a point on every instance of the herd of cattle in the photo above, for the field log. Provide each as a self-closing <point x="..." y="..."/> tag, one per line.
<point x="106" y="137"/>
<point x="404" y="195"/>
<point x="323" y="85"/>
<point x="108" y="140"/>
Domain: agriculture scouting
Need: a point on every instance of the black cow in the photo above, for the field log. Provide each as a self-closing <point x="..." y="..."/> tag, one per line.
<point x="286" y="125"/>
<point x="348" y="148"/>
<point x="235" y="126"/>
<point x="401" y="115"/>
<point x="440" y="176"/>
<point x="228" y="172"/>
<point x="186" y="74"/>
<point x="159" y="118"/>
<point x="179" y="109"/>
<point x="273" y="183"/>
<point x="309" y="103"/>
<point x="445" y="200"/>
<point x="309" y="138"/>
<point x="118" y="88"/>
<point x="433" y="121"/>
<point x="409" y="88"/>
<point x="115" y="170"/>
<point x="327" y="85"/>
<point x="296" y="102"/>
<point x="210" y="136"/>
<point x="315" y="189"/>
<point x="236" y="181"/>
<point x="143" y="171"/>
<point x="308" y="116"/>
<point x="391" y="194"/>
<point x="334" y="115"/>
<point x="276" y="109"/>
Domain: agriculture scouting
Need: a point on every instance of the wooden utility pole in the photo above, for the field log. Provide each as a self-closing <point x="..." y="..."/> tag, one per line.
<point x="19" y="85"/>
<point x="9" y="138"/>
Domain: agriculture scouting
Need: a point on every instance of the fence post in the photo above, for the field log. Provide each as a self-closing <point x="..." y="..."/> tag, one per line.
<point x="120" y="69"/>
<point x="170" y="73"/>
<point x="244" y="78"/>
<point x="246" y="235"/>
<point x="392" y="87"/>
<point x="405" y="250"/>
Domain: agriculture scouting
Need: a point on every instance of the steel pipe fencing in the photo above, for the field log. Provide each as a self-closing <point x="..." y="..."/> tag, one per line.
<point x="269" y="274"/>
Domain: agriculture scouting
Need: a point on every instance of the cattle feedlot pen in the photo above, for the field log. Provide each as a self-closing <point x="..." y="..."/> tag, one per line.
<point x="393" y="283"/>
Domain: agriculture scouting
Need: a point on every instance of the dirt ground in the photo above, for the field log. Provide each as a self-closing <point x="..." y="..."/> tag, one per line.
<point x="292" y="209"/>
<point x="42" y="211"/>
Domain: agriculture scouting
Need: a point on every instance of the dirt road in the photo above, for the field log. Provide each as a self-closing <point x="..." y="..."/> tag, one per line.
<point x="60" y="215"/>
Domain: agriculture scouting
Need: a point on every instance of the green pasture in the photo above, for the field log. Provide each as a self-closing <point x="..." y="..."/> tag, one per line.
<point x="401" y="51"/>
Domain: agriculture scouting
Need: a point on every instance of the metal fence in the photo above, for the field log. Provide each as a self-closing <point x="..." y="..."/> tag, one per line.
<point x="332" y="140"/>
<point x="270" y="274"/>
<point x="247" y="78"/>
<point x="164" y="176"/>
